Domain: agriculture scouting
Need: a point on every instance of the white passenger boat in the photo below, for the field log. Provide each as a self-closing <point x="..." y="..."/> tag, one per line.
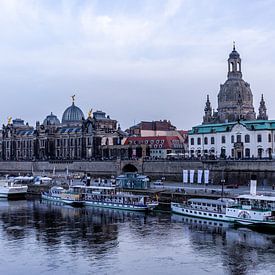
<point x="204" y="208"/>
<point x="111" y="197"/>
<point x="250" y="210"/>
<point x="59" y="194"/>
<point x="253" y="211"/>
<point x="12" y="190"/>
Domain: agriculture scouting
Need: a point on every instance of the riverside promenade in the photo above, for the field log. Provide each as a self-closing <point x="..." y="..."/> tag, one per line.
<point x="232" y="171"/>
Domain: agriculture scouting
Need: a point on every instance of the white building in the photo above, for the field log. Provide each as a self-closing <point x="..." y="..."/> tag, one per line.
<point x="244" y="139"/>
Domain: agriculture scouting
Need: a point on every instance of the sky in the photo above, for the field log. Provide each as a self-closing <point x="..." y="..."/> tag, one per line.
<point x="134" y="59"/>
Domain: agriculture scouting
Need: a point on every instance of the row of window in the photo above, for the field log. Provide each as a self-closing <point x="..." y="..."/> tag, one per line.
<point x="234" y="153"/>
<point x="146" y="141"/>
<point x="223" y="139"/>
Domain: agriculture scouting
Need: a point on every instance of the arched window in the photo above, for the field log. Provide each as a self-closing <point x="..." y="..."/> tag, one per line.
<point x="232" y="139"/>
<point x="247" y="153"/>
<point x="192" y="141"/>
<point x="239" y="138"/>
<point x="269" y="137"/>
<point x="199" y="141"/>
<point x="260" y="152"/>
<point x="223" y="152"/>
<point x="212" y="140"/>
<point x="205" y="140"/>
<point x="238" y="66"/>
<point x="246" y="138"/>
<point x="231" y="66"/>
<point x="223" y="139"/>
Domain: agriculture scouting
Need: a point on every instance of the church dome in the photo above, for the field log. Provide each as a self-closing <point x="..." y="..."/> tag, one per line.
<point x="51" y="120"/>
<point x="72" y="114"/>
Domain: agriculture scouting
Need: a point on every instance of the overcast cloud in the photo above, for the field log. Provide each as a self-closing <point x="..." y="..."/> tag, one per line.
<point x="136" y="60"/>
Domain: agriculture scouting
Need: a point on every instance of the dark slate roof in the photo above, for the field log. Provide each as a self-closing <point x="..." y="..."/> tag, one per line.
<point x="69" y="130"/>
<point x="25" y="132"/>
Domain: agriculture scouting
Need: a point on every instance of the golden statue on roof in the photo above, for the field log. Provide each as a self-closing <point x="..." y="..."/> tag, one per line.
<point x="9" y="120"/>
<point x="90" y="113"/>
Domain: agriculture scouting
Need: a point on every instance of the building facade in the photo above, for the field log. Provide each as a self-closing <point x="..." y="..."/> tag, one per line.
<point x="238" y="140"/>
<point x="74" y="138"/>
<point x="233" y="131"/>
<point x="159" y="147"/>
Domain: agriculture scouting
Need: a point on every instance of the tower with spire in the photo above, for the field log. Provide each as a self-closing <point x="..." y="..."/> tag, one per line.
<point x="235" y="99"/>
<point x="262" y="110"/>
<point x="207" y="118"/>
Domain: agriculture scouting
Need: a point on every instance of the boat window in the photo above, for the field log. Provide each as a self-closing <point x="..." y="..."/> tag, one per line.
<point x="210" y="215"/>
<point x="204" y="214"/>
<point x="208" y="204"/>
<point x="213" y="205"/>
<point x="215" y="215"/>
<point x="191" y="211"/>
<point x="204" y="204"/>
<point x="220" y="216"/>
<point x="200" y="213"/>
<point x="195" y="212"/>
<point x="199" y="203"/>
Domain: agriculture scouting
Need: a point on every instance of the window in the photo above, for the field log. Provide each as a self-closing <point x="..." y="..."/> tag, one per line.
<point x="212" y="140"/>
<point x="199" y="141"/>
<point x="247" y="138"/>
<point x="239" y="138"/>
<point x="223" y="152"/>
<point x="247" y="153"/>
<point x="232" y="139"/>
<point x="260" y="153"/>
<point x="259" y="138"/>
<point x="223" y="139"/>
<point x="192" y="141"/>
<point x="205" y="140"/>
<point x="269" y="137"/>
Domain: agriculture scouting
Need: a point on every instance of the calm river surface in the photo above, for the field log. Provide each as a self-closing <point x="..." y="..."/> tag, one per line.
<point x="43" y="238"/>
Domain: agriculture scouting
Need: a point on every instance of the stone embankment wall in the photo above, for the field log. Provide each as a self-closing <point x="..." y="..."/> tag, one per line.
<point x="237" y="172"/>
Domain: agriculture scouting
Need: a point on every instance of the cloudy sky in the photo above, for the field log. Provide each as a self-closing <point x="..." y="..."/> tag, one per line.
<point x="135" y="59"/>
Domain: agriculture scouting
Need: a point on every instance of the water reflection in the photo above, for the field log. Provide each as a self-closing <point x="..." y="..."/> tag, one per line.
<point x="240" y="248"/>
<point x="47" y="237"/>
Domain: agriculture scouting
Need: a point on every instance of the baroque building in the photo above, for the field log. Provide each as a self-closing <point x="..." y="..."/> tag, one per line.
<point x="233" y="131"/>
<point x="235" y="98"/>
<point x="74" y="138"/>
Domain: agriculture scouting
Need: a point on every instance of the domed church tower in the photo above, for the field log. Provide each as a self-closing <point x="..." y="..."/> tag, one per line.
<point x="235" y="99"/>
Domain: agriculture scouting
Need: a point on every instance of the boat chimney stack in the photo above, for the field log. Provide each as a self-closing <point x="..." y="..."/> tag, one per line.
<point x="253" y="185"/>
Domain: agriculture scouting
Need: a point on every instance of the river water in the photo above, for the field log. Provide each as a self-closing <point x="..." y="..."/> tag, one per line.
<point x="45" y="238"/>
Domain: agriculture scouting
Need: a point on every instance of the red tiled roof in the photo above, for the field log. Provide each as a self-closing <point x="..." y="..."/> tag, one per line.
<point x="166" y="142"/>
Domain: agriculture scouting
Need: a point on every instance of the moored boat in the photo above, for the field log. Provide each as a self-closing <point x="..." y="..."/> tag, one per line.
<point x="204" y="208"/>
<point x="111" y="197"/>
<point x="253" y="211"/>
<point x="10" y="189"/>
<point x="59" y="194"/>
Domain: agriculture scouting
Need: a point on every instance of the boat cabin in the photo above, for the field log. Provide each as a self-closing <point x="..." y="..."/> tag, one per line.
<point x="209" y="205"/>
